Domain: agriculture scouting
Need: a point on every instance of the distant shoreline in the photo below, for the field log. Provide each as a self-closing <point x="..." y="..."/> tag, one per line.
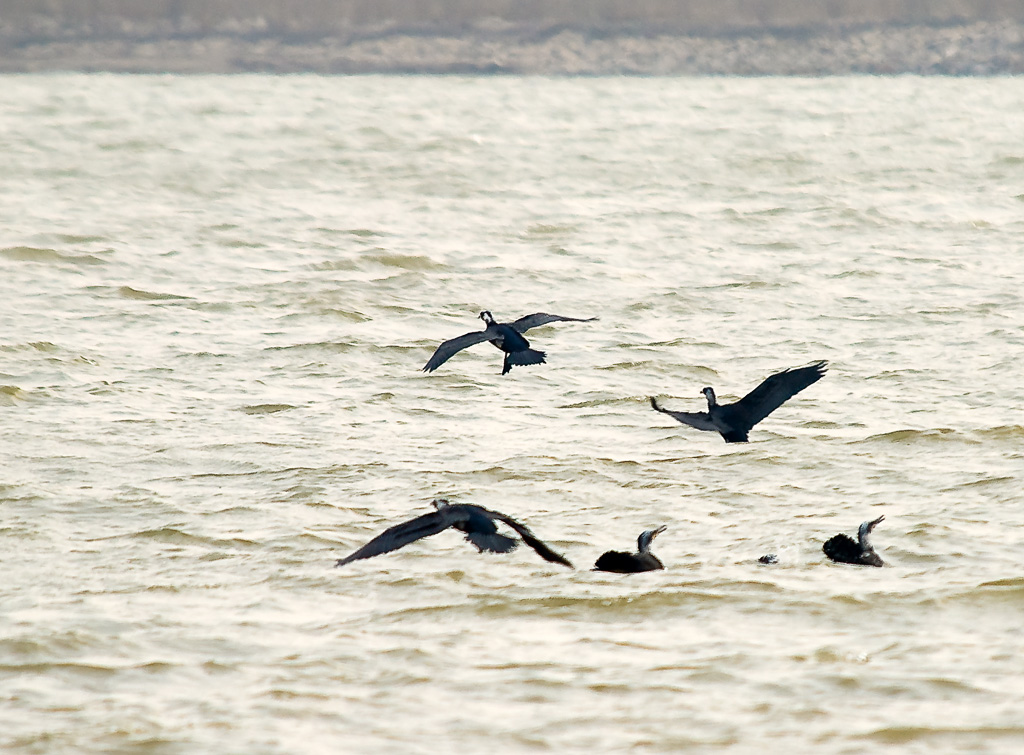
<point x="543" y="37"/>
<point x="982" y="48"/>
<point x="978" y="48"/>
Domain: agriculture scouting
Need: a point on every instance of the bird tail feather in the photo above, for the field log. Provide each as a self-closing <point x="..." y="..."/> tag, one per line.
<point x="494" y="542"/>
<point x="522" y="358"/>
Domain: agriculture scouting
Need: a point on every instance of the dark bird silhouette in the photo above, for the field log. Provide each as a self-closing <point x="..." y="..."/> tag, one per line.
<point x="845" y="550"/>
<point x="476" y="521"/>
<point x="631" y="563"/>
<point x="734" y="421"/>
<point x="507" y="336"/>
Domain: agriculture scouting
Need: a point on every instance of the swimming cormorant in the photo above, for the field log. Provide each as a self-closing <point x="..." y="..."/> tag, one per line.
<point x="734" y="421"/>
<point x="843" y="549"/>
<point x="476" y="521"/>
<point x="631" y="563"/>
<point x="507" y="336"/>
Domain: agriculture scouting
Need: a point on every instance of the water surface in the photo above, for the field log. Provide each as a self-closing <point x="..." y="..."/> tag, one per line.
<point x="215" y="297"/>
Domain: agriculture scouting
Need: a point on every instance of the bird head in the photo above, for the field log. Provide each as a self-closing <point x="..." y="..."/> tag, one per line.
<point x="643" y="543"/>
<point x="486" y="317"/>
<point x="865" y="530"/>
<point x="709" y="394"/>
<point x="440" y="503"/>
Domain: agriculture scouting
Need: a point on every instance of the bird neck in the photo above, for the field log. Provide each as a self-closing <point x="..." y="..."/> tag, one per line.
<point x="862" y="537"/>
<point x="643" y="543"/>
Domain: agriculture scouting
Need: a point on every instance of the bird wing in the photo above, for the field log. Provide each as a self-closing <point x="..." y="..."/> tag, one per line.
<point x="537" y="319"/>
<point x="528" y="537"/>
<point x="776" y="389"/>
<point x="617" y="562"/>
<point x="842" y="548"/>
<point x="453" y="346"/>
<point x="700" y="420"/>
<point x="494" y="542"/>
<point x="402" y="534"/>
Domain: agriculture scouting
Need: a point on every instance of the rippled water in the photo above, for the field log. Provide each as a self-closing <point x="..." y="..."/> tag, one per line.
<point x="216" y="297"/>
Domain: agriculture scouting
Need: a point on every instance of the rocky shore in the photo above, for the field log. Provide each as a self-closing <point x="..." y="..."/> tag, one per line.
<point x="981" y="48"/>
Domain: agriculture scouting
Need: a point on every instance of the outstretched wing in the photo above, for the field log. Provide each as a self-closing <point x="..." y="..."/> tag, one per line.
<point x="700" y="420"/>
<point x="776" y="390"/>
<point x="528" y="537"/>
<point x="402" y="534"/>
<point x="523" y="324"/>
<point x="453" y="346"/>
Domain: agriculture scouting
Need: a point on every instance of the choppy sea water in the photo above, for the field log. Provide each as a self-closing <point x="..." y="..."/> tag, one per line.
<point x="215" y="297"/>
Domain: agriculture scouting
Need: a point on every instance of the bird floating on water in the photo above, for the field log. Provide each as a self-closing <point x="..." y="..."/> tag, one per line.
<point x="507" y="336"/>
<point x="845" y="550"/>
<point x="631" y="563"/>
<point x="734" y="421"/>
<point x="476" y="521"/>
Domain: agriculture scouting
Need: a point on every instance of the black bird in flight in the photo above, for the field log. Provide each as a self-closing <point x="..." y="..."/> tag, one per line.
<point x="845" y="550"/>
<point x="631" y="563"/>
<point x="507" y="336"/>
<point x="476" y="521"/>
<point x="734" y="421"/>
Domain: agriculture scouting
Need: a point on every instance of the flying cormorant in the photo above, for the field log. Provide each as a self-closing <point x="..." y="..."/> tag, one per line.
<point x="476" y="521"/>
<point x="843" y="549"/>
<point x="631" y="563"/>
<point x="507" y="336"/>
<point x="734" y="421"/>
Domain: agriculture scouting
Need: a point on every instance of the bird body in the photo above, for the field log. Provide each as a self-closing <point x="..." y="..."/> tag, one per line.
<point x="508" y="337"/>
<point x="632" y="563"/>
<point x="734" y="421"/>
<point x="845" y="550"/>
<point x="514" y="344"/>
<point x="476" y="522"/>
